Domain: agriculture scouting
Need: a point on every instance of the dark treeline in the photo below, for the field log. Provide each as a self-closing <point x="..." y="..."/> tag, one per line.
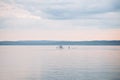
<point x="41" y="42"/>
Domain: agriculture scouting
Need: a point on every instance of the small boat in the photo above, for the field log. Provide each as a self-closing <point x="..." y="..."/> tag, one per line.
<point x="60" y="47"/>
<point x="68" y="47"/>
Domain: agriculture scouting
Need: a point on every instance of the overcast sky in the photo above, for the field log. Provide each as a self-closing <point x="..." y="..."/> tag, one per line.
<point x="59" y="19"/>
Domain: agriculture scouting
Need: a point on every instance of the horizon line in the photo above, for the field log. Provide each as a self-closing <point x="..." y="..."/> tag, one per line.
<point x="59" y="40"/>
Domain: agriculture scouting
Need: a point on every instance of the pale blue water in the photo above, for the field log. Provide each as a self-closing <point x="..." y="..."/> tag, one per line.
<point x="49" y="63"/>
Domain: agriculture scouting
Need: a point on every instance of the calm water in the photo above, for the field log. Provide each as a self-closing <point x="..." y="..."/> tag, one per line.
<point x="49" y="63"/>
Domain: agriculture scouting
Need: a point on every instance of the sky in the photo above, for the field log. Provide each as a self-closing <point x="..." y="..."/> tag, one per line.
<point x="59" y="20"/>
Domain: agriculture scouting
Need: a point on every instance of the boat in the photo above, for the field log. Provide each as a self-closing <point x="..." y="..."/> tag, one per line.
<point x="61" y="47"/>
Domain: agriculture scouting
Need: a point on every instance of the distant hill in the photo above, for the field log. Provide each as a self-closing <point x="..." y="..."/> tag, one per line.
<point x="49" y="42"/>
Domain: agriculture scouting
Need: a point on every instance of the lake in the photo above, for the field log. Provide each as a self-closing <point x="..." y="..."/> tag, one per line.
<point x="49" y="63"/>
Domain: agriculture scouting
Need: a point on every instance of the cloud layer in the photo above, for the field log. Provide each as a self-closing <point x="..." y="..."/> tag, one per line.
<point x="59" y="15"/>
<point x="90" y="11"/>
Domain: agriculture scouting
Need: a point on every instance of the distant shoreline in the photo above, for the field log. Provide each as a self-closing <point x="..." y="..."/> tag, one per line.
<point x="50" y="42"/>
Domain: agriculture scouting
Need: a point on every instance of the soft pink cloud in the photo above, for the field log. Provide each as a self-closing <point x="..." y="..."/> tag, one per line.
<point x="95" y="34"/>
<point x="9" y="10"/>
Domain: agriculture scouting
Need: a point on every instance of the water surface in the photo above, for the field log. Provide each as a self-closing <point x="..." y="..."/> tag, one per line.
<point x="49" y="63"/>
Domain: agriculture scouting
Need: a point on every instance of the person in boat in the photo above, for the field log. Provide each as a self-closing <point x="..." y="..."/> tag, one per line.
<point x="61" y="47"/>
<point x="68" y="47"/>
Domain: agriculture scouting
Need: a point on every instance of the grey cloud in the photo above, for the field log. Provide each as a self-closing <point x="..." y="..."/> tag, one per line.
<point x="66" y="9"/>
<point x="75" y="13"/>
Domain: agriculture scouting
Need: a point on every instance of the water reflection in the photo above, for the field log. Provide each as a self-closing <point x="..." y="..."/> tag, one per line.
<point x="49" y="63"/>
<point x="78" y="74"/>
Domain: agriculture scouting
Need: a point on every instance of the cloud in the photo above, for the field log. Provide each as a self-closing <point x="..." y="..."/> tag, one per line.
<point x="12" y="11"/>
<point x="83" y="34"/>
<point x="12" y="16"/>
<point x="60" y="14"/>
<point x="59" y="19"/>
<point x="67" y="9"/>
<point x="77" y="9"/>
